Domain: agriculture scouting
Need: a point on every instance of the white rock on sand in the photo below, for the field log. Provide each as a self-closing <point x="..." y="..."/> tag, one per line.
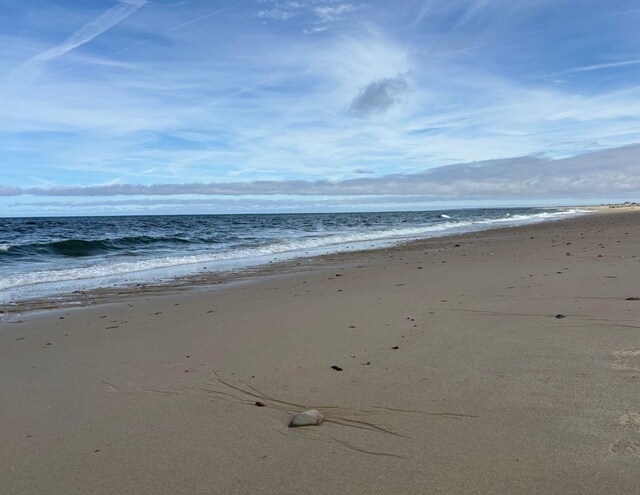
<point x="311" y="417"/>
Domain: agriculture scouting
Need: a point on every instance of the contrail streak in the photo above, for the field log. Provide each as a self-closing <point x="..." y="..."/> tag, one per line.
<point x="197" y="19"/>
<point x="174" y="28"/>
<point x="86" y="33"/>
<point x="611" y="65"/>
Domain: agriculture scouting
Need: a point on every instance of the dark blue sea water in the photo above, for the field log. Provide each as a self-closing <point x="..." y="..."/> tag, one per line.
<point x="46" y="256"/>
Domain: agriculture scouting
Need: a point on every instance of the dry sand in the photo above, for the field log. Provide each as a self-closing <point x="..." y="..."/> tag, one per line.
<point x="457" y="377"/>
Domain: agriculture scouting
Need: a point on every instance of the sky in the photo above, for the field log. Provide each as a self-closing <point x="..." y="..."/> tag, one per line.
<point x="220" y="106"/>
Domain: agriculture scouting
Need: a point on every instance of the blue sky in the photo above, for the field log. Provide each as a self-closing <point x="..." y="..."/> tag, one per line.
<point x="162" y="106"/>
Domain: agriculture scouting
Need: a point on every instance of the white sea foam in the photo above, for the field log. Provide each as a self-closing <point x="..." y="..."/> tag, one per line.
<point x="276" y="251"/>
<point x="5" y="247"/>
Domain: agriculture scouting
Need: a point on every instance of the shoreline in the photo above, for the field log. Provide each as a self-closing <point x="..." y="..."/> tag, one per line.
<point x="502" y="361"/>
<point x="205" y="279"/>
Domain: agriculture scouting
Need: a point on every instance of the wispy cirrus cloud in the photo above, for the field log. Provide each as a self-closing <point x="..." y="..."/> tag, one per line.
<point x="623" y="12"/>
<point x="330" y="13"/>
<point x="318" y="14"/>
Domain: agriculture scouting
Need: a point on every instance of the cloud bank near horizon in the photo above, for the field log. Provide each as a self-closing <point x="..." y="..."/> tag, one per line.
<point x="607" y="172"/>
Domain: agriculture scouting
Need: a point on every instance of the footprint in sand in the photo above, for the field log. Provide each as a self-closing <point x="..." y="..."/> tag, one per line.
<point x="631" y="421"/>
<point x="627" y="359"/>
<point x="626" y="446"/>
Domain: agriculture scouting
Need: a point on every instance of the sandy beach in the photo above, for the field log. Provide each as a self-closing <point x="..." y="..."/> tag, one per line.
<point x="504" y="361"/>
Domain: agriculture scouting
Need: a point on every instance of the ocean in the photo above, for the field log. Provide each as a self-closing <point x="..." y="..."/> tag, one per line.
<point x="45" y="257"/>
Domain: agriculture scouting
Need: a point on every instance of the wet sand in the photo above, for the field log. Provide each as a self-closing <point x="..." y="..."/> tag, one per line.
<point x="505" y="361"/>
